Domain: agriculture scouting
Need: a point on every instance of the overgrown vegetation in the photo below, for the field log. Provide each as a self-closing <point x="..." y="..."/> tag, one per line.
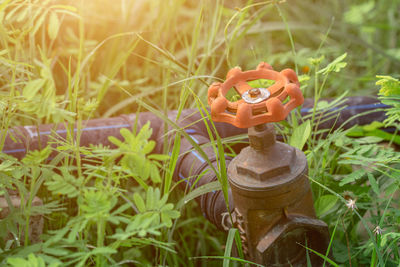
<point x="68" y="61"/>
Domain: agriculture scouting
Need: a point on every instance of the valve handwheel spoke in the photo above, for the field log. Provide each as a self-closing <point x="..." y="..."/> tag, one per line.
<point x="258" y="105"/>
<point x="241" y="87"/>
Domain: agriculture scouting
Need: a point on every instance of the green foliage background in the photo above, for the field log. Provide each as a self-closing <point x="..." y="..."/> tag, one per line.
<point x="67" y="61"/>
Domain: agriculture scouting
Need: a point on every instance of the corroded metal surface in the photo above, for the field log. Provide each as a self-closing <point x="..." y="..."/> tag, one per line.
<point x="272" y="194"/>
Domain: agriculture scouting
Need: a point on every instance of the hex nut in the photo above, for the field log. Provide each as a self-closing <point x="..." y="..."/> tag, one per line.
<point x="262" y="138"/>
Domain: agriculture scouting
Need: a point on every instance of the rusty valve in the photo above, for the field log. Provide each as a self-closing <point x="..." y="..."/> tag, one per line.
<point x="258" y="105"/>
<point x="274" y="209"/>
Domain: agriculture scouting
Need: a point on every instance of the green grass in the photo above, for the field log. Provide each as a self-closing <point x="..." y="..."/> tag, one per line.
<point x="68" y="61"/>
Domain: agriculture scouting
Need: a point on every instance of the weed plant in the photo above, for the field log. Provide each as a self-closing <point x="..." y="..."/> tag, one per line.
<point x="65" y="61"/>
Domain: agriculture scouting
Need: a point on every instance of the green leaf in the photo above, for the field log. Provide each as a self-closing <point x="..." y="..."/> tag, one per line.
<point x="323" y="257"/>
<point x="96" y="204"/>
<point x="172" y="163"/>
<point x="65" y="184"/>
<point x="373" y="130"/>
<point x="159" y="157"/>
<point x="135" y="160"/>
<point x="390" y="95"/>
<point x="358" y="13"/>
<point x="146" y="169"/>
<point x="65" y="7"/>
<point x="300" y="135"/>
<point x="77" y="226"/>
<point x="57" y="236"/>
<point x="174" y="214"/>
<point x="228" y="246"/>
<point x="126" y="134"/>
<point x="32" y="88"/>
<point x="151" y="199"/>
<point x="22" y="15"/>
<point x="222" y="173"/>
<point x="163" y="200"/>
<point x="103" y="250"/>
<point x="316" y="61"/>
<point x="36" y="157"/>
<point x="204" y="189"/>
<point x="324" y="204"/>
<point x="155" y="174"/>
<point x="303" y="80"/>
<point x="6" y="166"/>
<point x="389" y="86"/>
<point x="53" y="26"/>
<point x="167" y="207"/>
<point x="391" y="189"/>
<point x="115" y="140"/>
<point x="139" y="202"/>
<point x="18" y="262"/>
<point x="39" y="22"/>
<point x="373" y="183"/>
<point x="335" y="65"/>
<point x="149" y="147"/>
<point x="373" y="126"/>
<point x="352" y="177"/>
<point x="166" y="219"/>
<point x="32" y="261"/>
<point x="56" y="251"/>
<point x="323" y="104"/>
<point x="145" y="132"/>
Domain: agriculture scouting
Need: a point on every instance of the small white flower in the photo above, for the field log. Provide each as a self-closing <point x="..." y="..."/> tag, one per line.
<point x="378" y="230"/>
<point x="351" y="204"/>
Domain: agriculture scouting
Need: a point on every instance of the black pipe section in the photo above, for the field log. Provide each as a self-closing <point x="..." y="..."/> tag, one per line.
<point x="350" y="107"/>
<point x="190" y="164"/>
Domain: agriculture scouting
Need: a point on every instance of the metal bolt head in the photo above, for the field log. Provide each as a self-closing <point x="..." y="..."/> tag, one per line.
<point x="254" y="92"/>
<point x="256" y="95"/>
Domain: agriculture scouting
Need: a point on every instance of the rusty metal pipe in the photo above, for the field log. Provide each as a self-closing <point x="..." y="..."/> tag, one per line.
<point x="190" y="165"/>
<point x="20" y="139"/>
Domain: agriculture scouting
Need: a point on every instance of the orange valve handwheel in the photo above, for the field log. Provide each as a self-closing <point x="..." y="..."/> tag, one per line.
<point x="258" y="105"/>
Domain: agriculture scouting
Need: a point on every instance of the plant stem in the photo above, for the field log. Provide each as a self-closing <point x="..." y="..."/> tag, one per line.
<point x="100" y="240"/>
<point x="347" y="238"/>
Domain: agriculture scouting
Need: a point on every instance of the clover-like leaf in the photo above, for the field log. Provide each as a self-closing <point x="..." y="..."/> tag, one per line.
<point x="334" y="66"/>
